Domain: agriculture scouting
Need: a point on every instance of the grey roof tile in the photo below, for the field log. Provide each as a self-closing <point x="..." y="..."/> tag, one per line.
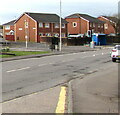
<point x="44" y="17"/>
<point x="85" y="16"/>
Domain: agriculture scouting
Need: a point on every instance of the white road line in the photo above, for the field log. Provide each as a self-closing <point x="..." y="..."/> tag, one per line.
<point x="11" y="71"/>
<point x="42" y="65"/>
<point x="23" y="68"/>
<point x="18" y="69"/>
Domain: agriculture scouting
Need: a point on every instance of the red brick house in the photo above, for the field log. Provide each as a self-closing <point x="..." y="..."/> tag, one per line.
<point x="110" y="25"/>
<point x="35" y="27"/>
<point x="8" y="30"/>
<point x="82" y="23"/>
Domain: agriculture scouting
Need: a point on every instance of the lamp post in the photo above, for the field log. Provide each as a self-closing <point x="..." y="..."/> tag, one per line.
<point x="60" y="44"/>
<point x="26" y="34"/>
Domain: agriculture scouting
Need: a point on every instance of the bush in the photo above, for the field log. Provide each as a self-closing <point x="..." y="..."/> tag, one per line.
<point x="7" y="49"/>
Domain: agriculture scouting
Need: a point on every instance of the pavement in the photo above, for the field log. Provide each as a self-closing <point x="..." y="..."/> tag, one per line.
<point x="49" y="100"/>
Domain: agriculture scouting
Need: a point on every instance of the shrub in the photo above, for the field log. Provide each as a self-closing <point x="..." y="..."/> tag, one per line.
<point x="7" y="49"/>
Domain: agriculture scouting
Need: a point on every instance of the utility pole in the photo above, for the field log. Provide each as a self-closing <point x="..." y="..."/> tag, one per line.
<point x="60" y="44"/>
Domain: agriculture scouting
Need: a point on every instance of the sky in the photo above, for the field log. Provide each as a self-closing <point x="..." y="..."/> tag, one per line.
<point x="13" y="9"/>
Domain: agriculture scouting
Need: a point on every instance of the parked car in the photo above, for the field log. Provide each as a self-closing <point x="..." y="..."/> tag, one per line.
<point x="115" y="54"/>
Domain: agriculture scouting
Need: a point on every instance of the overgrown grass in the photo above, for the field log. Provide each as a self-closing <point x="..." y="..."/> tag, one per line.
<point x="23" y="53"/>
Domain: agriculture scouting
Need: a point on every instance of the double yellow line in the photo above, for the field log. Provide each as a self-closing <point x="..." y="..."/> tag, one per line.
<point x="62" y="100"/>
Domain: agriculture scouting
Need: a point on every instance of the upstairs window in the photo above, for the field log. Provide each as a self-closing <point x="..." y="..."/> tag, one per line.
<point x="98" y="25"/>
<point x="40" y="25"/>
<point x="90" y="24"/>
<point x="7" y="27"/>
<point x="56" y="25"/>
<point x="47" y="25"/>
<point x="63" y="25"/>
<point x="93" y="24"/>
<point x="74" y="24"/>
<point x="106" y="26"/>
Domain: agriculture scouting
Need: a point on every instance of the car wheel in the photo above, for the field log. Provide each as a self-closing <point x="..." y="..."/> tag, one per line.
<point x="113" y="59"/>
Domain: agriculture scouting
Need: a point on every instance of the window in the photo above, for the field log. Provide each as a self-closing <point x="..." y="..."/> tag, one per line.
<point x="40" y="25"/>
<point x="47" y="25"/>
<point x="48" y="34"/>
<point x="7" y="27"/>
<point x="106" y="26"/>
<point x="90" y="24"/>
<point x="74" y="24"/>
<point x="101" y="26"/>
<point x="56" y="34"/>
<point x="63" y="25"/>
<point x="63" y="35"/>
<point x="56" y="25"/>
<point x="20" y="28"/>
<point x="40" y="34"/>
<point x="98" y="25"/>
<point x="93" y="24"/>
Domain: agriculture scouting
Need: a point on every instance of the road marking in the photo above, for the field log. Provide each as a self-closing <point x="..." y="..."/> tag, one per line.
<point x="62" y="100"/>
<point x="11" y="71"/>
<point x="18" y="69"/>
<point x="42" y="65"/>
<point x="23" y="68"/>
<point x="94" y="55"/>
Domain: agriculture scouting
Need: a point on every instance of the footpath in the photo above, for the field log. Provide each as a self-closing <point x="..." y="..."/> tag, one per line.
<point x="51" y="100"/>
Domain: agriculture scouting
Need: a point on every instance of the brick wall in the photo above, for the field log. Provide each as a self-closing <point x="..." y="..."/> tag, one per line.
<point x="110" y="27"/>
<point x="21" y="31"/>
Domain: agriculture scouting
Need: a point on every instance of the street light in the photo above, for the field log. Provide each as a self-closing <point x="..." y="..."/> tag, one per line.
<point x="60" y="44"/>
<point x="26" y="33"/>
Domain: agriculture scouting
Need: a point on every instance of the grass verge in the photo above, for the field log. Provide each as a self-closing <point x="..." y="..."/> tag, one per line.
<point x="23" y="53"/>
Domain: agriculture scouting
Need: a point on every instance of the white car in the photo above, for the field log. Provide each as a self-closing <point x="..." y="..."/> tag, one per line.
<point x="115" y="54"/>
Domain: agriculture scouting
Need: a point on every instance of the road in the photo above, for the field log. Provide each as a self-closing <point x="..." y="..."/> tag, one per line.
<point x="22" y="77"/>
<point x="97" y="92"/>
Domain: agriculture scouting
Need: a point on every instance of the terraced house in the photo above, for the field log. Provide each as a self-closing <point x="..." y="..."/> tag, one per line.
<point x="111" y="24"/>
<point x="8" y="30"/>
<point x="82" y="23"/>
<point x="36" y="27"/>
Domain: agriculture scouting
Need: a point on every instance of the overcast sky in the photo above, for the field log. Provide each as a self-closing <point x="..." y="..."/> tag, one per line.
<point x="11" y="9"/>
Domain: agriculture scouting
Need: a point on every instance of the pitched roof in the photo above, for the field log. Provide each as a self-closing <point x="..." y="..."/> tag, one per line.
<point x="85" y="16"/>
<point x="10" y="23"/>
<point x="44" y="17"/>
<point x="114" y="19"/>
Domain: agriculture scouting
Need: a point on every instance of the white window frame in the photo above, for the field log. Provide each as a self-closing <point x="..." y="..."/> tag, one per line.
<point x="106" y="26"/>
<point x="91" y="25"/>
<point x="7" y="27"/>
<point x="94" y="25"/>
<point x="48" y="34"/>
<point x="40" y="25"/>
<point x="56" y="25"/>
<point x="47" y="25"/>
<point x="56" y="34"/>
<point x="63" y="25"/>
<point x="74" y="24"/>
